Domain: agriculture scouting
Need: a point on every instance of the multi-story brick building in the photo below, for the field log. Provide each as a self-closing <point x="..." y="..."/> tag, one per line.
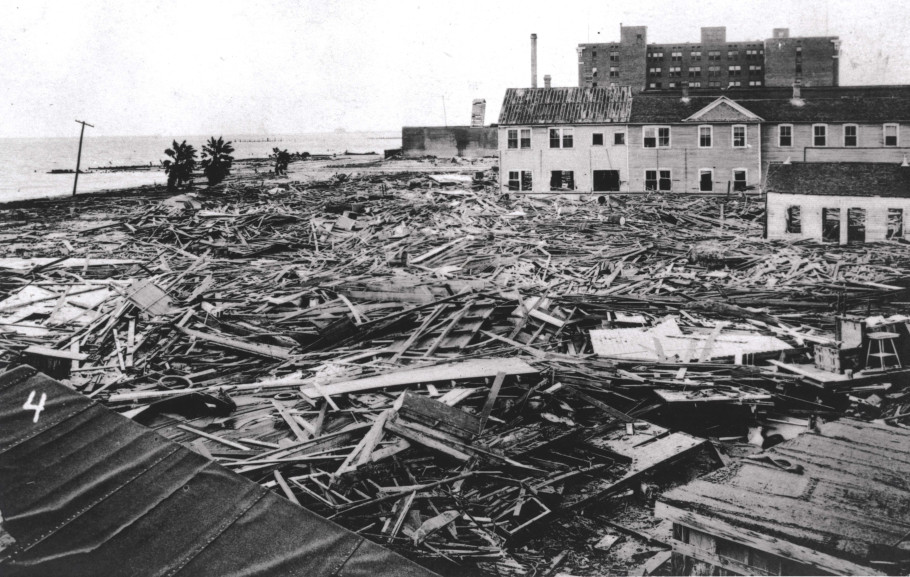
<point x="713" y="63"/>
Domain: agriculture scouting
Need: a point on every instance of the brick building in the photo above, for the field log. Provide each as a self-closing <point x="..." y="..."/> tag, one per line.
<point x="712" y="63"/>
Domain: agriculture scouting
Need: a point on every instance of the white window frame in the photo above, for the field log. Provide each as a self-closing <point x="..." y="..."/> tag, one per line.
<point x="520" y="180"/>
<point x="710" y="135"/>
<point x="519" y="132"/>
<point x="733" y="177"/>
<point x="657" y="128"/>
<point x="745" y="135"/>
<point x="779" y="145"/>
<point x="897" y="134"/>
<point x="844" y="140"/>
<point x="658" y="171"/>
<point x="702" y="171"/>
<point x="563" y="130"/>
<point x="825" y="145"/>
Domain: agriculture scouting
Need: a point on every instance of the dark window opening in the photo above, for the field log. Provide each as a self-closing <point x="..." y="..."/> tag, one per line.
<point x="831" y="224"/>
<point x="520" y="180"/>
<point x="650" y="180"/>
<point x="794" y="225"/>
<point x="706" y="181"/>
<point x="597" y="139"/>
<point x="606" y="180"/>
<point x="856" y="225"/>
<point x="619" y="138"/>
<point x="895" y="223"/>
<point x="849" y="136"/>
<point x="562" y="180"/>
<point x="739" y="180"/>
<point x="554" y="138"/>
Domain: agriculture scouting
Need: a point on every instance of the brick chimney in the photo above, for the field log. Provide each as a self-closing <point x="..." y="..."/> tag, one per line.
<point x="533" y="60"/>
<point x="546" y="80"/>
<point x="797" y="89"/>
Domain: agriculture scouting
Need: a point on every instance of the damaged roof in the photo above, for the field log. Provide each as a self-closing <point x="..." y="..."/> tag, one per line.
<point x="566" y="105"/>
<point x="840" y="179"/>
<point x="86" y="491"/>
<point x="851" y="497"/>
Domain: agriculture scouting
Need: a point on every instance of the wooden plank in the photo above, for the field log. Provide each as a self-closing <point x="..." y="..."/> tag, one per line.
<point x="215" y="438"/>
<point x="410" y="434"/>
<point x="269" y="351"/>
<point x="295" y="427"/>
<point x="816" y="560"/>
<point x="457" y="371"/>
<point x="57" y="354"/>
<point x="437" y="414"/>
<point x="616" y="413"/>
<point x="491" y="399"/>
<point x="284" y="487"/>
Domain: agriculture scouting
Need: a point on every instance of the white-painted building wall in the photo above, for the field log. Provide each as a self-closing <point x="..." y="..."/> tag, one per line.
<point x="811" y="214"/>
<point x="582" y="159"/>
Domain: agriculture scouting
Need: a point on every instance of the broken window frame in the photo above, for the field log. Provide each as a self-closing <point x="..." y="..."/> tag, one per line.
<point x="820" y="135"/>
<point x="705" y="139"/>
<point x="740" y="183"/>
<point x="895" y="230"/>
<point x="781" y="136"/>
<point x="739" y="141"/>
<point x="564" y="179"/>
<point x="895" y="136"/>
<point x="854" y="136"/>
<point x="830" y="226"/>
<point x="702" y="181"/>
<point x="520" y="180"/>
<point x="794" y="223"/>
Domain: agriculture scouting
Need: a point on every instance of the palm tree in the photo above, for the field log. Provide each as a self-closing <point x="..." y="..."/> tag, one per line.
<point x="180" y="168"/>
<point x="282" y="159"/>
<point x="217" y="159"/>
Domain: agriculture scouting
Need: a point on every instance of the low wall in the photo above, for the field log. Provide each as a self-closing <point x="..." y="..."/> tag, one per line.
<point x="448" y="141"/>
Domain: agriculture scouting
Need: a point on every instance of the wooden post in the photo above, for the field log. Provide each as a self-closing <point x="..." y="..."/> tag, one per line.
<point x="79" y="155"/>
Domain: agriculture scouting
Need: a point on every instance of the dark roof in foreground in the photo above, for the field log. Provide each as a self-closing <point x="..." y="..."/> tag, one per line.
<point x="85" y="491"/>
<point x="566" y="105"/>
<point x="852" y="497"/>
<point x="840" y="178"/>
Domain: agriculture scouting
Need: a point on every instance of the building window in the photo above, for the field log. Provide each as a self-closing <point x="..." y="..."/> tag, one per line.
<point x="739" y="136"/>
<point x="732" y="54"/>
<point x="676" y="56"/>
<point x="794" y="225"/>
<point x="619" y="138"/>
<point x="597" y="139"/>
<point x="519" y="138"/>
<point x="614" y="71"/>
<point x="735" y="70"/>
<point x="785" y="135"/>
<point x="890" y="131"/>
<point x="654" y="85"/>
<point x="799" y="49"/>
<point x="714" y="55"/>
<point x="895" y="223"/>
<point x="753" y="54"/>
<point x="594" y="74"/>
<point x="705" y="136"/>
<point x="713" y="84"/>
<point x="654" y="70"/>
<point x="851" y="135"/>
<point x="696" y="55"/>
<point x="799" y="67"/>
<point x="655" y="55"/>
<point x="671" y="85"/>
<point x="520" y="180"/>
<point x="656" y="137"/>
<point x="614" y="56"/>
<point x="695" y="85"/>
<point x="739" y="179"/>
<point x="657" y="180"/>
<point x="675" y="71"/>
<point x="735" y="83"/>
<point x="713" y="70"/>
<point x="754" y="69"/>
<point x="594" y="54"/>
<point x="593" y="85"/>
<point x="755" y="83"/>
<point x="561" y="137"/>
<point x="694" y="71"/>
<point x="819" y="135"/>
<point x="705" y="180"/>
<point x="562" y="180"/>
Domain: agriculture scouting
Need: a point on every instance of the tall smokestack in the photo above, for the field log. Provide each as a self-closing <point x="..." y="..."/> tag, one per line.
<point x="533" y="60"/>
<point x="546" y="80"/>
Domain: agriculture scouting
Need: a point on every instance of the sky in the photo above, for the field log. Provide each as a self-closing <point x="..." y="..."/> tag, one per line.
<point x="176" y="68"/>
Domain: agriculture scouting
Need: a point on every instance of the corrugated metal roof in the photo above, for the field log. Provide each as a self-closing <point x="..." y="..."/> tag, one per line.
<point x="529" y="106"/>
<point x="85" y="491"/>
<point x="852" y="496"/>
<point x="840" y="178"/>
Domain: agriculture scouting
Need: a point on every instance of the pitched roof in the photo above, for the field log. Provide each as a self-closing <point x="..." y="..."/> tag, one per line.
<point x="852" y="496"/>
<point x="566" y="105"/>
<point x="723" y="110"/>
<point x="660" y="108"/>
<point x="845" y="179"/>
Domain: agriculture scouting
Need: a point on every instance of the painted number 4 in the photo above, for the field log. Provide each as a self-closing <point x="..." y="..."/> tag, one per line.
<point x="29" y="406"/>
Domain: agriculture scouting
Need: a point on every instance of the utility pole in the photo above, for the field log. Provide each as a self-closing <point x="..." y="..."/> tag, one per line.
<point x="445" y="117"/>
<point x="79" y="156"/>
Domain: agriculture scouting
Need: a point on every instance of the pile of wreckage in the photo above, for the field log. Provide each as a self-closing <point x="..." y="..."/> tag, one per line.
<point x="442" y="368"/>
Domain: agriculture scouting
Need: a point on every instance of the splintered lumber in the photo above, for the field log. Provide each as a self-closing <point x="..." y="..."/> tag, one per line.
<point x="457" y="371"/>
<point x="49" y="352"/>
<point x="270" y="351"/>
<point x="491" y="399"/>
<point x="437" y="414"/>
<point x="215" y="438"/>
<point x="434" y="524"/>
<point x="400" y="429"/>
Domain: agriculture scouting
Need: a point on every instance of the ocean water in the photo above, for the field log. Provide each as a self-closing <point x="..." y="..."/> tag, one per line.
<point x="26" y="162"/>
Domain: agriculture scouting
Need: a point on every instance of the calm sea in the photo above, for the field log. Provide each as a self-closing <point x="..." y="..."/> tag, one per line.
<point x="26" y="162"/>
